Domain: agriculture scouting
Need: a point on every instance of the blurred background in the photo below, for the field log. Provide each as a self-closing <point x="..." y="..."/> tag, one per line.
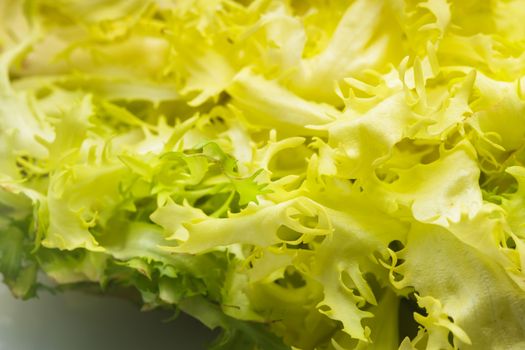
<point x="73" y="320"/>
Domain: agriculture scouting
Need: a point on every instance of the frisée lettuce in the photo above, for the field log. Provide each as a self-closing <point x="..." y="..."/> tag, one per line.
<point x="300" y="174"/>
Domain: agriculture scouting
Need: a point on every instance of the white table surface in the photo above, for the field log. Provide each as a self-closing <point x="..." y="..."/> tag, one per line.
<point x="75" y="321"/>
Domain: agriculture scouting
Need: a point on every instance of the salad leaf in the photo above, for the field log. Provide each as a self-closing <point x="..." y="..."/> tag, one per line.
<point x="299" y="174"/>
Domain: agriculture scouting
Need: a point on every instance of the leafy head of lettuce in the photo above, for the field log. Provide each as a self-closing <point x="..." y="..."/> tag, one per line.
<point x="301" y="174"/>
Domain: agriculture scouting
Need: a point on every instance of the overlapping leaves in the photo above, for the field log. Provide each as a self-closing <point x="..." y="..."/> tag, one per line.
<point x="296" y="172"/>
